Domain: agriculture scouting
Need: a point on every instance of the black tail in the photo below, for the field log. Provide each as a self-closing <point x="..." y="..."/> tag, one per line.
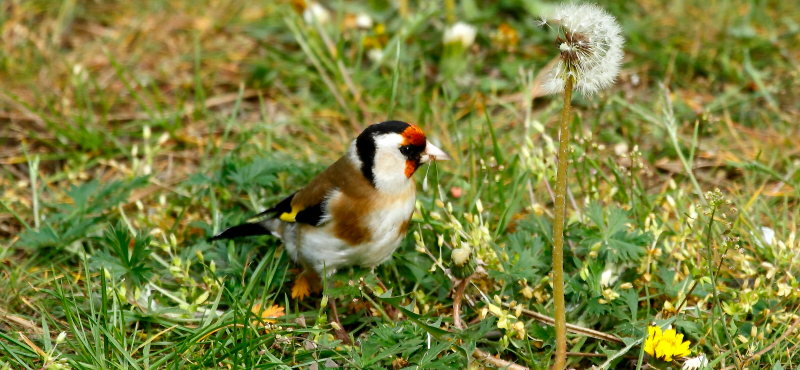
<point x="241" y="231"/>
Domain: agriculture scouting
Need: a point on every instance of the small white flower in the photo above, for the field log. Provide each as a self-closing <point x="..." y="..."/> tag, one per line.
<point x="316" y="12"/>
<point x="364" y="21"/>
<point x="79" y="73"/>
<point x="768" y="234"/>
<point x="784" y="290"/>
<point x="375" y="55"/>
<point x="77" y="70"/>
<point x="145" y="297"/>
<point x="460" y="32"/>
<point x="591" y="49"/>
<point x="695" y="363"/>
<point x="608" y="277"/>
<point x="621" y="149"/>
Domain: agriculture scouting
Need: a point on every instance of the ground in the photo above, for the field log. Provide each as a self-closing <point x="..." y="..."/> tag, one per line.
<point x="132" y="131"/>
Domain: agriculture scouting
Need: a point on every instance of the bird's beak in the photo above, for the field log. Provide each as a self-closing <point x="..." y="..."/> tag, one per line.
<point x="432" y="153"/>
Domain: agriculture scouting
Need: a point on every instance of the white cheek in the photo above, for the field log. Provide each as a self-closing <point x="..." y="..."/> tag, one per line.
<point x="390" y="172"/>
<point x="389" y="168"/>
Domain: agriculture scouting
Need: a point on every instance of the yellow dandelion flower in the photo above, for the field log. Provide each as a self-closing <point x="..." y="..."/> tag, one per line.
<point x="665" y="345"/>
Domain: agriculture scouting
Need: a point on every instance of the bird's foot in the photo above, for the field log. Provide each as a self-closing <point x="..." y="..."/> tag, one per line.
<point x="304" y="284"/>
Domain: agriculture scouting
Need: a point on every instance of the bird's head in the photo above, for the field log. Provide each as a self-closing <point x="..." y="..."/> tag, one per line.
<point x="390" y="152"/>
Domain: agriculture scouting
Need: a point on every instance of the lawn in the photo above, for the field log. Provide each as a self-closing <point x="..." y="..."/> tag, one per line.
<point x="131" y="132"/>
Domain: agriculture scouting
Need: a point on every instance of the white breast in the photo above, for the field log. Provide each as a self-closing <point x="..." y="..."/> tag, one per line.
<point x="388" y="223"/>
<point x="317" y="246"/>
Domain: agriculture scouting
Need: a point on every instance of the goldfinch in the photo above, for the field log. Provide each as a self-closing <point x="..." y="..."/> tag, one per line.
<point x="358" y="210"/>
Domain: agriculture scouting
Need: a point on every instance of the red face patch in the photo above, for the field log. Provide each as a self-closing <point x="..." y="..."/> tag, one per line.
<point x="412" y="135"/>
<point x="411" y="167"/>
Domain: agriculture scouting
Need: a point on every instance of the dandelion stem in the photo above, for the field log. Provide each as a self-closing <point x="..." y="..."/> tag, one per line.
<point x="558" y="230"/>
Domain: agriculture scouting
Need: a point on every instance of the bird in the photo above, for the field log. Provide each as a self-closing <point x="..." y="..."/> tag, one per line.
<point x="357" y="211"/>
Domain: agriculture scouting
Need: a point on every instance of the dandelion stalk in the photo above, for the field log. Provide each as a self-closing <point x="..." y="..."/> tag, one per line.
<point x="558" y="230"/>
<point x="591" y="53"/>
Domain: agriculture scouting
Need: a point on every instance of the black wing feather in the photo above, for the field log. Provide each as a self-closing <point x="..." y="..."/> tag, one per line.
<point x="284" y="206"/>
<point x="242" y="230"/>
<point x="312" y="215"/>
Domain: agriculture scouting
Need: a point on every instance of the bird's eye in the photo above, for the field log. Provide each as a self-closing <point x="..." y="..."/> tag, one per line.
<point x="406" y="150"/>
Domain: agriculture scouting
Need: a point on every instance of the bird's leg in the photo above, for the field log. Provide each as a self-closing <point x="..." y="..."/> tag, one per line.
<point x="341" y="334"/>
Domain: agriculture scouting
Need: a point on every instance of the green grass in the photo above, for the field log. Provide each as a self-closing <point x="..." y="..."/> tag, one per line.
<point x="130" y="132"/>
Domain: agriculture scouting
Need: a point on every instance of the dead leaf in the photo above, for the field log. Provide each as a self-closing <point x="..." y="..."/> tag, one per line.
<point x="34" y="347"/>
<point x="331" y="364"/>
<point x="268" y="314"/>
<point x="675" y="166"/>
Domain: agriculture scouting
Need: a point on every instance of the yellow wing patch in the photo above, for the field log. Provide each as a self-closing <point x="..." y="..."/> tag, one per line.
<point x="289" y="217"/>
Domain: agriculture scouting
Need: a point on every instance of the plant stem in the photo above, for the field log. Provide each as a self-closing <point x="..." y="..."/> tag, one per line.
<point x="450" y="9"/>
<point x="672" y="130"/>
<point x="558" y="230"/>
<point x="714" y="310"/>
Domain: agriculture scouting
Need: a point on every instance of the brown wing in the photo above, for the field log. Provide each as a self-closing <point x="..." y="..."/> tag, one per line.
<point x="306" y="205"/>
<point x="353" y="200"/>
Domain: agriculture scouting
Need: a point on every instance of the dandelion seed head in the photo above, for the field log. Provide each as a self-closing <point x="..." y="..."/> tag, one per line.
<point x="461" y="255"/>
<point x="590" y="41"/>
